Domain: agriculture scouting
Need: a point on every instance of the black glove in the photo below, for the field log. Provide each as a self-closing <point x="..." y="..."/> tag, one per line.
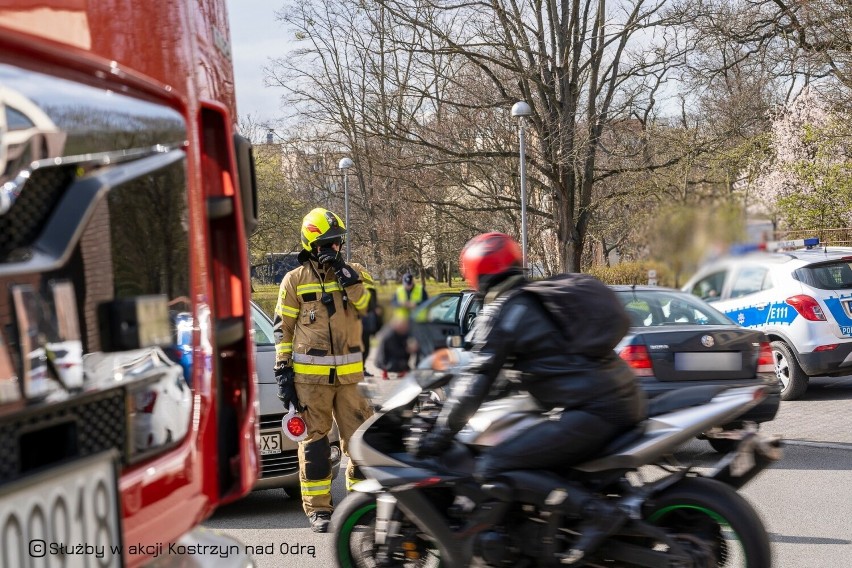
<point x="345" y="274"/>
<point x="434" y="443"/>
<point x="286" y="379"/>
<point x="329" y="256"/>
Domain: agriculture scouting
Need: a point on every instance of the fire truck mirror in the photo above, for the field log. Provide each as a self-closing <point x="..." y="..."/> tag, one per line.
<point x="134" y="323"/>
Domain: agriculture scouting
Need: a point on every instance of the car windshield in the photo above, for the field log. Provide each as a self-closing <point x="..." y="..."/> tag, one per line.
<point x="263" y="334"/>
<point x="829" y="276"/>
<point x="648" y="308"/>
<point x="441" y="309"/>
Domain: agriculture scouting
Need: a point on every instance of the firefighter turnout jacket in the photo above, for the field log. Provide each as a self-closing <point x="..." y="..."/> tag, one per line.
<point x="317" y="324"/>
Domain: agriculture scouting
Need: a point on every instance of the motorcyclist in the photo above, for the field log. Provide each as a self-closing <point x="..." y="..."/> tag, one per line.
<point x="598" y="395"/>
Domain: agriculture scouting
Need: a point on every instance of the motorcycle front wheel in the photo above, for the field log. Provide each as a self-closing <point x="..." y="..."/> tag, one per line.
<point x="715" y="522"/>
<point x="354" y="526"/>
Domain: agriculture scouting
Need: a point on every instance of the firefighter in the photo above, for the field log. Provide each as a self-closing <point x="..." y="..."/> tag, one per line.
<point x="319" y="355"/>
<point x="372" y="321"/>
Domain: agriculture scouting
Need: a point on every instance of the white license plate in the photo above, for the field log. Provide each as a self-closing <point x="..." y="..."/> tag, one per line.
<point x="270" y="444"/>
<point x="67" y="516"/>
<point x="724" y="361"/>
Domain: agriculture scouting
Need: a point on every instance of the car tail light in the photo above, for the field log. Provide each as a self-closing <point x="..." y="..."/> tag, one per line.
<point x="830" y="347"/>
<point x="807" y="307"/>
<point x="638" y="359"/>
<point x="765" y="360"/>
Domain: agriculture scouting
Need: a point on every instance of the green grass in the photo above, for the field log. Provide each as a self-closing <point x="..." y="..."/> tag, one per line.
<point x="266" y="295"/>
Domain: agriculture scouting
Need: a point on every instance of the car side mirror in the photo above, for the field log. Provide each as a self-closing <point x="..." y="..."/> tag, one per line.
<point x="454" y="341"/>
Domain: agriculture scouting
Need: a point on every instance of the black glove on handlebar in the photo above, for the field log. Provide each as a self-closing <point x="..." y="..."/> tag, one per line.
<point x="434" y="443"/>
<point x="344" y="273"/>
<point x="286" y="379"/>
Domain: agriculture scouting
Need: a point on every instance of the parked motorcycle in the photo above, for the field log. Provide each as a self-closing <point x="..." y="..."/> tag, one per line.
<point x="631" y="506"/>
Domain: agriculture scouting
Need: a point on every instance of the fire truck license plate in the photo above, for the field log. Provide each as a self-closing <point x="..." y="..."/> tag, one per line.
<point x="67" y="516"/>
<point x="270" y="443"/>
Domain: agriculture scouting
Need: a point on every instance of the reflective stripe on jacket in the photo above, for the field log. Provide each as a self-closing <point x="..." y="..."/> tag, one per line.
<point x="321" y="343"/>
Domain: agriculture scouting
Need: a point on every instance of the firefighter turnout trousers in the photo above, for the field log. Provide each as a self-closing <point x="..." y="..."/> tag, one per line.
<point x="325" y="403"/>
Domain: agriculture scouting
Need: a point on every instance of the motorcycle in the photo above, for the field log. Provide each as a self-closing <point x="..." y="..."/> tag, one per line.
<point x="631" y="506"/>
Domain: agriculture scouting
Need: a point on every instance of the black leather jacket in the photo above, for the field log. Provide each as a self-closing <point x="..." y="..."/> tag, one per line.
<point x="514" y="331"/>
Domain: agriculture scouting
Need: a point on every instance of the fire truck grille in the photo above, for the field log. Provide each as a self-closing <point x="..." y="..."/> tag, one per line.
<point x="23" y="223"/>
<point x="44" y="435"/>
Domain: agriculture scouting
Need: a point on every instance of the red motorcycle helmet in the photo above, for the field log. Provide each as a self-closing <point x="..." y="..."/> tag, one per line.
<point x="489" y="255"/>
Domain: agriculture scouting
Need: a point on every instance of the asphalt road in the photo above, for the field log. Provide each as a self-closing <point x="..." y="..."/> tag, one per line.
<point x="805" y="499"/>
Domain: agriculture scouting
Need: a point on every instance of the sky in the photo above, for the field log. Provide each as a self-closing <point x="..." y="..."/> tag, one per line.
<point x="255" y="37"/>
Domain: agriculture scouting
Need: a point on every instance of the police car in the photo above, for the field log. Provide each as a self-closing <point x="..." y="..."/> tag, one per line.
<point x="801" y="299"/>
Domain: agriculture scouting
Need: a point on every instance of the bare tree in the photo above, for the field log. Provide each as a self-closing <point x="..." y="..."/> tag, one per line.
<point x="579" y="64"/>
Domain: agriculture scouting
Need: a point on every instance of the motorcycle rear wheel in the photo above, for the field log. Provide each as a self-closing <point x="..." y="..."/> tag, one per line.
<point x="716" y="517"/>
<point x="354" y="526"/>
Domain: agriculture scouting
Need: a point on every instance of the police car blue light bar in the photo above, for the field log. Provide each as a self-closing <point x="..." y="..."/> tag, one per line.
<point x="798" y="243"/>
<point x="774" y="246"/>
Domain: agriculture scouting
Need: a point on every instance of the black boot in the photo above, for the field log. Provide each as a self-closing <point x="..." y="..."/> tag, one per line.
<point x="320" y="520"/>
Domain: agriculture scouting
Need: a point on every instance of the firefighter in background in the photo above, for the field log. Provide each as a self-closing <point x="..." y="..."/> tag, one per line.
<point x="408" y="296"/>
<point x="371" y="323"/>
<point x="319" y="356"/>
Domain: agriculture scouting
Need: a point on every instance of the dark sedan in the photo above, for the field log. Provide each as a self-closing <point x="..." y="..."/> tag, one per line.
<point x="675" y="340"/>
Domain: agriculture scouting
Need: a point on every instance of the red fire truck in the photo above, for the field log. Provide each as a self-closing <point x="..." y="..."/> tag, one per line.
<point x="127" y="401"/>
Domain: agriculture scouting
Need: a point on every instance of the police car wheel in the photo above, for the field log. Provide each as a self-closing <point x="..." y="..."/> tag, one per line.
<point x="794" y="381"/>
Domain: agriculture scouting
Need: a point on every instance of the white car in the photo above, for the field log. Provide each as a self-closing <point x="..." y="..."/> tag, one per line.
<point x="801" y="299"/>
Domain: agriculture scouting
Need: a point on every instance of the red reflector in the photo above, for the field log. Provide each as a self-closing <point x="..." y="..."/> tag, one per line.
<point x="428" y="481"/>
<point x="807" y="307"/>
<point x="765" y="360"/>
<point x="759" y="394"/>
<point x="831" y="347"/>
<point x="296" y="426"/>
<point x="638" y="359"/>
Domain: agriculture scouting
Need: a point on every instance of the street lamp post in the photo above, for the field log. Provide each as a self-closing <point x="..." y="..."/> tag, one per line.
<point x="523" y="110"/>
<point x="345" y="164"/>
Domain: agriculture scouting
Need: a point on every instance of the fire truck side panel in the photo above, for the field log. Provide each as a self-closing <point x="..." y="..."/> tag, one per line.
<point x="150" y="70"/>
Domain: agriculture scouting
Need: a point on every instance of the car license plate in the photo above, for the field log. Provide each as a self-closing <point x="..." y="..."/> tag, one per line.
<point x="66" y="516"/>
<point x="270" y="443"/>
<point x="717" y="361"/>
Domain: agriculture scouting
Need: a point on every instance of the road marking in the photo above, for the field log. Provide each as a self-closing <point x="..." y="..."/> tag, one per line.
<point x="826" y="445"/>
